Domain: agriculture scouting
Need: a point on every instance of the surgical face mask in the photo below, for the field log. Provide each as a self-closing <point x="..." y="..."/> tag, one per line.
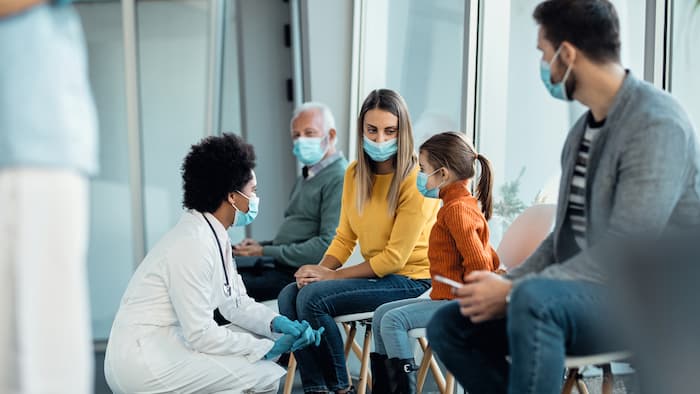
<point x="309" y="150"/>
<point x="557" y="90"/>
<point x="422" y="184"/>
<point x="246" y="218"/>
<point x="380" y="151"/>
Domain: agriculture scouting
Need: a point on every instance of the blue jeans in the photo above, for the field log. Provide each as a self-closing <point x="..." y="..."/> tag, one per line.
<point x="393" y="320"/>
<point x="546" y="320"/>
<point x="323" y="368"/>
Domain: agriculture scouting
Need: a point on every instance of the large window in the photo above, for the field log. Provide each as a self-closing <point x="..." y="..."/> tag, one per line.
<point x="685" y="84"/>
<point x="415" y="47"/>
<point x="520" y="127"/>
<point x="111" y="248"/>
<point x="180" y="64"/>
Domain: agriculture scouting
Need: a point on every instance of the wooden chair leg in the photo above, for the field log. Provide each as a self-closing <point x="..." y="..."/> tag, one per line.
<point x="581" y="386"/>
<point x="450" y="384"/>
<point x="291" y="371"/>
<point x="608" y="380"/>
<point x="424" y="364"/>
<point x="350" y="331"/>
<point x="437" y="373"/>
<point x="571" y="378"/>
<point x="364" y="361"/>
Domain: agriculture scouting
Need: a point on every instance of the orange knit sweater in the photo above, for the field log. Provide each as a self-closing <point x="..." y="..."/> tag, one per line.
<point x="459" y="240"/>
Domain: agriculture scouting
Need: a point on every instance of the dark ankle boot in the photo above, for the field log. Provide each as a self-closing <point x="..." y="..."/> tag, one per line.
<point x="382" y="374"/>
<point x="405" y="375"/>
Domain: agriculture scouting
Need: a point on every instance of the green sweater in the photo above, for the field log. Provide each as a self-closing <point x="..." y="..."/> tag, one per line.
<point x="311" y="217"/>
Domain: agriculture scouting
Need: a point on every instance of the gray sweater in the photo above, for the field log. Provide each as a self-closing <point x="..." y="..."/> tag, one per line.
<point x="643" y="179"/>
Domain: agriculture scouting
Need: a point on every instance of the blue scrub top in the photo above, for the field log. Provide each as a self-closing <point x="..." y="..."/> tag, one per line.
<point x="47" y="114"/>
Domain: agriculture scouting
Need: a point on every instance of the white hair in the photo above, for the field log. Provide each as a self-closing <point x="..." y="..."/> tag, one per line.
<point x="326" y="114"/>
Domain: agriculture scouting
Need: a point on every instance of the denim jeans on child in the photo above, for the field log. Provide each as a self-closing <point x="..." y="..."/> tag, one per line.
<point x="323" y="368"/>
<point x="393" y="320"/>
<point x="546" y="320"/>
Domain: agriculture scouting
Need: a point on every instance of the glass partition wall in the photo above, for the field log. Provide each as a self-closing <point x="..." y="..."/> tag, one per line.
<point x="183" y="80"/>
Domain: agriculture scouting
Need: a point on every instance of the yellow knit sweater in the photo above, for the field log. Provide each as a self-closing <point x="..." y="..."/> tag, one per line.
<point x="392" y="245"/>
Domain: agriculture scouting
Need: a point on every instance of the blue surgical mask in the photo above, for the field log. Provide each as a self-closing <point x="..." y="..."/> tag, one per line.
<point x="245" y="218"/>
<point x="557" y="90"/>
<point x="309" y="150"/>
<point x="380" y="151"/>
<point x="422" y="184"/>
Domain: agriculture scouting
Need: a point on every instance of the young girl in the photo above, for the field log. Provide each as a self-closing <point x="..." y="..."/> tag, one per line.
<point x="459" y="244"/>
<point x="382" y="211"/>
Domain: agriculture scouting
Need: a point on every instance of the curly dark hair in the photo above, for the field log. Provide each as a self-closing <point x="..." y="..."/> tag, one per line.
<point x="215" y="167"/>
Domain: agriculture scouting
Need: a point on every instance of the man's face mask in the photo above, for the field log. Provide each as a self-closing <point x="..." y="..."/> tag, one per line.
<point x="557" y="90"/>
<point x="310" y="150"/>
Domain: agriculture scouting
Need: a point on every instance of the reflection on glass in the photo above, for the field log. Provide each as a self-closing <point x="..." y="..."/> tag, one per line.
<point x="415" y="47"/>
<point x="685" y="84"/>
<point x="521" y="128"/>
<point x="110" y="253"/>
<point x="173" y="44"/>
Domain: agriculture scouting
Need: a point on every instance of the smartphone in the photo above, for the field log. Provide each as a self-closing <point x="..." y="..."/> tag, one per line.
<point x="448" y="281"/>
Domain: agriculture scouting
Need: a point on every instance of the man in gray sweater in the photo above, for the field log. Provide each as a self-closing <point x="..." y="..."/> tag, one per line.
<point x="630" y="167"/>
<point x="312" y="215"/>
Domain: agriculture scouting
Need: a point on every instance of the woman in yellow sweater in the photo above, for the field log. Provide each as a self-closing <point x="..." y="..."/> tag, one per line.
<point x="459" y="244"/>
<point x="391" y="220"/>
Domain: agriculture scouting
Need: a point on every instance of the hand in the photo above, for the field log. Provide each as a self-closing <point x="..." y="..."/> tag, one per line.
<point x="283" y="325"/>
<point x="313" y="273"/>
<point x="483" y="296"/>
<point x="248" y="247"/>
<point x="282" y="345"/>
<point x="308" y="336"/>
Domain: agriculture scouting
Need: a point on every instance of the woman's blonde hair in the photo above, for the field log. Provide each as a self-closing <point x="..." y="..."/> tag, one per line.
<point x="404" y="161"/>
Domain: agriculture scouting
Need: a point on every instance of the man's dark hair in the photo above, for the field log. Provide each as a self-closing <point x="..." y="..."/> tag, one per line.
<point x="590" y="25"/>
<point x="214" y="168"/>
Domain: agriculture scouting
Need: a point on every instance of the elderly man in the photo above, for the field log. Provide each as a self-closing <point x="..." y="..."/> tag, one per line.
<point x="312" y="214"/>
<point x="630" y="166"/>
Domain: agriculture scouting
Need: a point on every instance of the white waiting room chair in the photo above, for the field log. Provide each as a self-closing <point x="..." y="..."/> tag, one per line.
<point x="349" y="323"/>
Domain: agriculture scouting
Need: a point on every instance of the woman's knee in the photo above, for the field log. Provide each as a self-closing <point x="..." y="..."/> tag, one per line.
<point x="311" y="300"/>
<point x="287" y="300"/>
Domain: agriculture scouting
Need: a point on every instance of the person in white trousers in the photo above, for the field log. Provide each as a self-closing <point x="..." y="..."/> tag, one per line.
<point x="164" y="338"/>
<point x="48" y="148"/>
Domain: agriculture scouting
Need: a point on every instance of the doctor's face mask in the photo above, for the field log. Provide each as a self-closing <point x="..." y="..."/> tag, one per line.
<point x="245" y="218"/>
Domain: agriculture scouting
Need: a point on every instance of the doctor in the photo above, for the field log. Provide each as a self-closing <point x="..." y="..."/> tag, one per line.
<point x="164" y="338"/>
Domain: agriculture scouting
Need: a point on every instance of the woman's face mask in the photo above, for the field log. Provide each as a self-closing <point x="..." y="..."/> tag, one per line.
<point x="245" y="218"/>
<point x="380" y="151"/>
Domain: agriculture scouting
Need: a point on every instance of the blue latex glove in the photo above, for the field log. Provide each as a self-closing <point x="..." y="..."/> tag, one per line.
<point x="283" y="325"/>
<point x="308" y="336"/>
<point x="318" y="334"/>
<point x="282" y="345"/>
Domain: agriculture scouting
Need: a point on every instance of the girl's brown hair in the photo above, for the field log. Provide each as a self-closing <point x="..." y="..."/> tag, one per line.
<point x="404" y="161"/>
<point x="451" y="150"/>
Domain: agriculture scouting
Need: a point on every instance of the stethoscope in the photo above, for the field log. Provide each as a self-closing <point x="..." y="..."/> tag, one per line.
<point x="227" y="284"/>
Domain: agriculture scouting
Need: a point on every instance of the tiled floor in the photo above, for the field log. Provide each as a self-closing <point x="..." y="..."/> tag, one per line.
<point x="624" y="384"/>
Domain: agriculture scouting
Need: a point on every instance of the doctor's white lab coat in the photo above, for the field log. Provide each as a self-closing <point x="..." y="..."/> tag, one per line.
<point x="164" y="338"/>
